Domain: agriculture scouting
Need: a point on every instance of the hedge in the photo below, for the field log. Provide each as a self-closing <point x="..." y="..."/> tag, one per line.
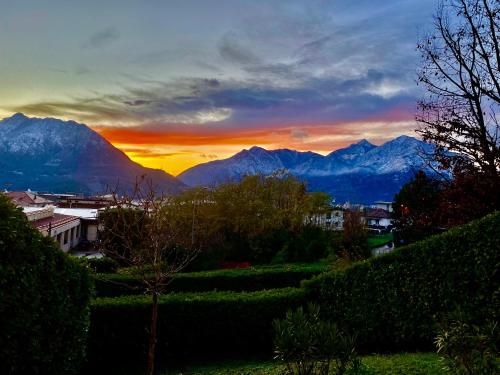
<point x="190" y="326"/>
<point x="251" y="279"/>
<point x="102" y="265"/>
<point x="393" y="301"/>
<point x="44" y="301"/>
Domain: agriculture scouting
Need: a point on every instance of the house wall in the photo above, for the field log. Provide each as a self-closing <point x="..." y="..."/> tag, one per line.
<point x="91" y="232"/>
<point x="333" y="220"/>
<point x="64" y="231"/>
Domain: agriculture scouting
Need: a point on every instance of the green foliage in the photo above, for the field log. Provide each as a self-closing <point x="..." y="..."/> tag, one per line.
<point x="308" y="345"/>
<point x="253" y="220"/>
<point x="123" y="230"/>
<point x="392" y="301"/>
<point x="190" y="326"/>
<point x="380" y="239"/>
<point x="354" y="244"/>
<point x="395" y="364"/>
<point x="102" y="265"/>
<point x="44" y="298"/>
<point x="469" y="348"/>
<point x="250" y="279"/>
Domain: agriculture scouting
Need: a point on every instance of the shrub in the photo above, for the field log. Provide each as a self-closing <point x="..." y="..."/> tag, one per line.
<point x="469" y="348"/>
<point x="309" y="345"/>
<point x="202" y="325"/>
<point x="44" y="298"/>
<point x="103" y="265"/>
<point x="392" y="301"/>
<point x="250" y="279"/>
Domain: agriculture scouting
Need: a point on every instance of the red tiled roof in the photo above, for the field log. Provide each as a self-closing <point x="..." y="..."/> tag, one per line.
<point x="55" y="221"/>
<point x="23" y="198"/>
<point x="377" y="213"/>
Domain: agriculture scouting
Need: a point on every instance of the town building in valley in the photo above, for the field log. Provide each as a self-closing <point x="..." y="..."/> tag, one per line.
<point x="331" y="218"/>
<point x="65" y="229"/>
<point x="377" y="219"/>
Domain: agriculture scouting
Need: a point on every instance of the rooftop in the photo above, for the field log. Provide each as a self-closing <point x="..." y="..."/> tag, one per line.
<point x="377" y="213"/>
<point x="82" y="213"/>
<point x="26" y="198"/>
<point x="53" y="221"/>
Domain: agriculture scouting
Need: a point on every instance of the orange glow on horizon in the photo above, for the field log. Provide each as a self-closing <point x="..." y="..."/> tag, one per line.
<point x="175" y="151"/>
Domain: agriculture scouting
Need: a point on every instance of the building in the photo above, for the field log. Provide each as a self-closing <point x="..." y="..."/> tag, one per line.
<point x="332" y="218"/>
<point x="68" y="225"/>
<point x="27" y="199"/>
<point x="387" y="206"/>
<point x="89" y="219"/>
<point x="377" y="218"/>
<point x="65" y="229"/>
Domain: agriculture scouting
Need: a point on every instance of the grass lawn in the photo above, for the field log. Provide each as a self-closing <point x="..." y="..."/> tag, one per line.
<point x="400" y="364"/>
<point x="379" y="240"/>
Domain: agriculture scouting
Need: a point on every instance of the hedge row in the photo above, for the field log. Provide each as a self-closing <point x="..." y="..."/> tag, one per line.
<point x="201" y="325"/>
<point x="393" y="301"/>
<point x="251" y="279"/>
<point x="44" y="301"/>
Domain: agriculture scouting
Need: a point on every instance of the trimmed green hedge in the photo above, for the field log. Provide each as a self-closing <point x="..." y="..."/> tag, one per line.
<point x="44" y="301"/>
<point x="201" y="325"/>
<point x="238" y="280"/>
<point x="392" y="301"/>
<point x="102" y="265"/>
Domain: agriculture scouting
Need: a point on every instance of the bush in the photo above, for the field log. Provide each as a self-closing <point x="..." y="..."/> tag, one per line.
<point x="392" y="301"/>
<point x="44" y="301"/>
<point x="469" y="348"/>
<point x="102" y="265"/>
<point x="308" y="345"/>
<point x="202" y="325"/>
<point x="250" y="279"/>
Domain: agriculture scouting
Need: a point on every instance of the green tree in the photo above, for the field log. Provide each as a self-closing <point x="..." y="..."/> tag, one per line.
<point x="354" y="243"/>
<point x="44" y="301"/>
<point x="416" y="209"/>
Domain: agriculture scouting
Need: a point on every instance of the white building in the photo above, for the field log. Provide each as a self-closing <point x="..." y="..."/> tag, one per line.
<point x="65" y="229"/>
<point x="332" y="219"/>
<point x="377" y="218"/>
<point x="88" y="218"/>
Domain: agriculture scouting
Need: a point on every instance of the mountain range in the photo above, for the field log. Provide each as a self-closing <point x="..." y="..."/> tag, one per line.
<point x="362" y="172"/>
<point x="47" y="154"/>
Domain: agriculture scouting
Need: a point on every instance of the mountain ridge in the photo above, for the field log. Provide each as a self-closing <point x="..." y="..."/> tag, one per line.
<point x="353" y="173"/>
<point x="59" y="156"/>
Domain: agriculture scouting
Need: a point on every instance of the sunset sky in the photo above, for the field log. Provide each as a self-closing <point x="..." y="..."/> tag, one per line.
<point x="177" y="83"/>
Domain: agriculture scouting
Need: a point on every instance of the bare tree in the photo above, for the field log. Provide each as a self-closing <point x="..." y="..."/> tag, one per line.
<point x="461" y="73"/>
<point x="138" y="232"/>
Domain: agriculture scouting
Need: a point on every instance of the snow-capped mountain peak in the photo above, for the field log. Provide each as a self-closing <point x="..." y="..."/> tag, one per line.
<point x="55" y="155"/>
<point x="363" y="161"/>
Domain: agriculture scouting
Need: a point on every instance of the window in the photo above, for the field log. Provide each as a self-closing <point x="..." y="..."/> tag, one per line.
<point x="72" y="233"/>
<point x="66" y="237"/>
<point x="78" y="231"/>
<point x="59" y="236"/>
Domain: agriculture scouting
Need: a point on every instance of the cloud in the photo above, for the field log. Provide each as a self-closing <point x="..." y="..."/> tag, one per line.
<point x="102" y="38"/>
<point x="299" y="134"/>
<point x="209" y="156"/>
<point x="235" y="103"/>
<point x="231" y="49"/>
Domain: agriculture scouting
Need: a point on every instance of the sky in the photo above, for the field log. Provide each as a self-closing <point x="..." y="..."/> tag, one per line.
<point x="177" y="83"/>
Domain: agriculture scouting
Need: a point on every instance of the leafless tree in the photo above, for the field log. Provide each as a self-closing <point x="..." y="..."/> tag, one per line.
<point x="138" y="231"/>
<point x="461" y="73"/>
